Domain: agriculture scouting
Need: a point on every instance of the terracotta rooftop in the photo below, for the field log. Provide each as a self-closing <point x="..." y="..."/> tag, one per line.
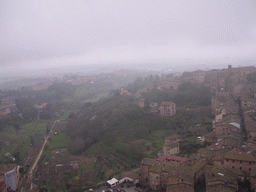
<point x="180" y="160"/>
<point x="240" y="155"/>
<point x="166" y="103"/>
<point x="148" y="161"/>
<point x="182" y="172"/>
<point x="199" y="165"/>
<point x="229" y="141"/>
<point x="194" y="156"/>
<point x="216" y="173"/>
<point x="172" y="145"/>
<point x="172" y="188"/>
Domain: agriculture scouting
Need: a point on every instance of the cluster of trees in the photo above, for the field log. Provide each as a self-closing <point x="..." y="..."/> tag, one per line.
<point x="116" y="121"/>
<point x="186" y="95"/>
<point x="149" y="81"/>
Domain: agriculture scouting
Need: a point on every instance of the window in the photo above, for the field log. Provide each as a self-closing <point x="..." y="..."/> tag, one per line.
<point x="250" y="169"/>
<point x="241" y="168"/>
<point x="240" y="162"/>
<point x="233" y="161"/>
<point x="227" y="160"/>
<point x="233" y="167"/>
<point x="250" y="163"/>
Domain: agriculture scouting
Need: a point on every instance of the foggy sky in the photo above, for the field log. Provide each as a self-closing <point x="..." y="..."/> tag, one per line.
<point x="46" y="33"/>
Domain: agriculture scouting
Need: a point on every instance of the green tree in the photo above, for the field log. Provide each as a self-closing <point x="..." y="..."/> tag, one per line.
<point x="32" y="141"/>
<point x="78" y="146"/>
<point x="47" y="128"/>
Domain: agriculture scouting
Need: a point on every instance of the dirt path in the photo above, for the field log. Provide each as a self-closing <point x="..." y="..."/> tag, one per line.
<point x="40" y="153"/>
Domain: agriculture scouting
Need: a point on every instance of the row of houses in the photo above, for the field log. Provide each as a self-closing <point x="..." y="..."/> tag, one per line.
<point x="227" y="164"/>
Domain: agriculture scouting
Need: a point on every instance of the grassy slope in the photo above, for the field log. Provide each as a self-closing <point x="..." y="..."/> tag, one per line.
<point x="21" y="142"/>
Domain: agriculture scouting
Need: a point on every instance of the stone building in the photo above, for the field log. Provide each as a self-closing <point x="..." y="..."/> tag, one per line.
<point x="170" y="177"/>
<point x="167" y="109"/>
<point x="173" y="159"/>
<point x="145" y="164"/>
<point x="221" y="179"/>
<point x="172" y="173"/>
<point x="195" y="77"/>
<point x="171" y="85"/>
<point x="240" y="159"/>
<point x="227" y="128"/>
<point x="171" y="149"/>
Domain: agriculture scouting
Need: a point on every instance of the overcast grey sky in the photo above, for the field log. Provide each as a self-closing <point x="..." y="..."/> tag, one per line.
<point x="63" y="32"/>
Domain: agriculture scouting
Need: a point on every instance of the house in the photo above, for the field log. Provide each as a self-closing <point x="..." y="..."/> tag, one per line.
<point x="195" y="77"/>
<point x="222" y="129"/>
<point x="221" y="179"/>
<point x="230" y="142"/>
<point x="199" y="170"/>
<point x="171" y="177"/>
<point x="240" y="159"/>
<point x="153" y="107"/>
<point x="124" y="92"/>
<point x="172" y="173"/>
<point x="145" y="164"/>
<point x="227" y="128"/>
<point x="171" y="85"/>
<point x="167" y="109"/>
<point x="173" y="159"/>
<point x="141" y="103"/>
<point x="171" y="149"/>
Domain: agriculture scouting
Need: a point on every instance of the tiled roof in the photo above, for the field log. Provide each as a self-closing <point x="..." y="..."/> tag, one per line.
<point x="199" y="165"/>
<point x="194" y="156"/>
<point x="172" y="145"/>
<point x="215" y="173"/>
<point x="170" y="158"/>
<point x="183" y="172"/>
<point x="229" y="141"/>
<point x="148" y="161"/>
<point x="219" y="158"/>
<point x="240" y="155"/>
<point x="175" y="188"/>
<point x="166" y="103"/>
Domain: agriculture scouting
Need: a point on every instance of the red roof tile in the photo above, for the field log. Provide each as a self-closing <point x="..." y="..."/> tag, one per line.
<point x="180" y="160"/>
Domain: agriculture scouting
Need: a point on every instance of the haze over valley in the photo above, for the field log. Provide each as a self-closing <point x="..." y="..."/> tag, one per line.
<point x="124" y="96"/>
